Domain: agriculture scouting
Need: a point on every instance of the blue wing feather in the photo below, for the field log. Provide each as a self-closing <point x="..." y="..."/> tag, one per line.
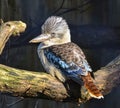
<point x="70" y="70"/>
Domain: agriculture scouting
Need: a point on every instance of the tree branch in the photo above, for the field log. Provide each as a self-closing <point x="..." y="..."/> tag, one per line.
<point x="108" y="77"/>
<point x="10" y="28"/>
<point x="57" y="10"/>
<point x="42" y="85"/>
<point x="17" y="82"/>
<point x="86" y="3"/>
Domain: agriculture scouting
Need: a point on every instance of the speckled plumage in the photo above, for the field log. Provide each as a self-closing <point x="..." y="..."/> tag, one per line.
<point x="62" y="58"/>
<point x="72" y="55"/>
<point x="69" y="59"/>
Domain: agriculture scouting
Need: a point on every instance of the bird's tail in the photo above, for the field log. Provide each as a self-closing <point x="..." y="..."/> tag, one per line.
<point x="91" y="87"/>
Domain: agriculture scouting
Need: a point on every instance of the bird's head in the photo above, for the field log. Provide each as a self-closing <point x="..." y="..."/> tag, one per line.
<point x="55" y="31"/>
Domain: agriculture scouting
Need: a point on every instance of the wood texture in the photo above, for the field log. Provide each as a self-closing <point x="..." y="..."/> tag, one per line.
<point x="10" y="28"/>
<point x="42" y="85"/>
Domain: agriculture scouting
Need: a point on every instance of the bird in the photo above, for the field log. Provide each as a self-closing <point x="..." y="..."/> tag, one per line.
<point x="61" y="57"/>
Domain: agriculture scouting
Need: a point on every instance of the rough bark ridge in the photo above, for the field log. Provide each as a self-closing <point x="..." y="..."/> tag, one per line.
<point x="17" y="82"/>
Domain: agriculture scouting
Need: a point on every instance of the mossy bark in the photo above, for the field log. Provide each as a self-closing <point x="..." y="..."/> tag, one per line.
<point x="42" y="85"/>
<point x="30" y="84"/>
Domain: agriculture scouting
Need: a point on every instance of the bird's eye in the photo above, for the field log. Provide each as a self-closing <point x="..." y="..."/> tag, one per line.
<point x="53" y="34"/>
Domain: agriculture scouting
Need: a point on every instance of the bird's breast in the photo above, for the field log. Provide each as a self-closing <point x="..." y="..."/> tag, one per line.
<point x="50" y="68"/>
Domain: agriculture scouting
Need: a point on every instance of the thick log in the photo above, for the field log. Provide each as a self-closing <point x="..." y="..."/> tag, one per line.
<point x="42" y="85"/>
<point x="10" y="28"/>
<point x="109" y="76"/>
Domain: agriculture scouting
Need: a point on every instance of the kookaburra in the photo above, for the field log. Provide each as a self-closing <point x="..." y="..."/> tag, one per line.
<point x="62" y="58"/>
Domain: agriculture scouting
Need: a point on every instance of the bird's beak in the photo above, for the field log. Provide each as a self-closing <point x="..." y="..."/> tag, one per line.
<point x="40" y="38"/>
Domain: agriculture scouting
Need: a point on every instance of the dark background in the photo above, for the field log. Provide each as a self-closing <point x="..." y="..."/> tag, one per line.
<point x="94" y="25"/>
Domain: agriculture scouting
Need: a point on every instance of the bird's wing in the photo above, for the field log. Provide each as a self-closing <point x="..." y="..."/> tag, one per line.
<point x="70" y="59"/>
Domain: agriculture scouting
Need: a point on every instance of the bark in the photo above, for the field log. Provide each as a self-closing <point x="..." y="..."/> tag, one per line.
<point x="25" y="83"/>
<point x="17" y="82"/>
<point x="10" y="28"/>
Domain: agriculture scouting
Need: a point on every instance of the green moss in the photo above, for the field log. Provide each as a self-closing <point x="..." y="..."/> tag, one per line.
<point x="30" y="77"/>
<point x="13" y="73"/>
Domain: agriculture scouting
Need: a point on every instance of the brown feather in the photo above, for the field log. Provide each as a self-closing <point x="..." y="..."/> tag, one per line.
<point x="91" y="87"/>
